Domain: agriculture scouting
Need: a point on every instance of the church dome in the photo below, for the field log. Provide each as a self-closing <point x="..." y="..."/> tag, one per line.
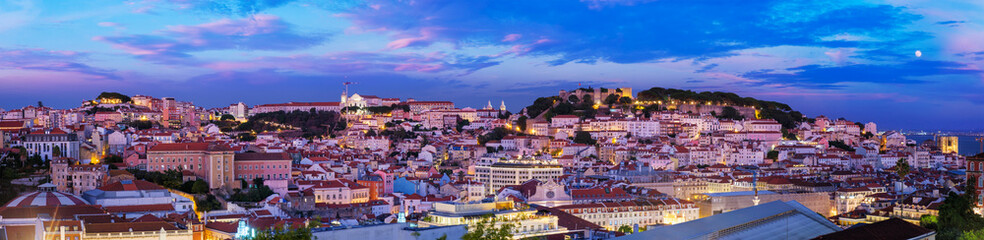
<point x="46" y="198"/>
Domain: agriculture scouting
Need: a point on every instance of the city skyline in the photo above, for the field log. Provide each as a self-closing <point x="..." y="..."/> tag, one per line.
<point x="912" y="65"/>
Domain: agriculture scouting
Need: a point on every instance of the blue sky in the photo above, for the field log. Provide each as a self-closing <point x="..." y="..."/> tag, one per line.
<point x="853" y="59"/>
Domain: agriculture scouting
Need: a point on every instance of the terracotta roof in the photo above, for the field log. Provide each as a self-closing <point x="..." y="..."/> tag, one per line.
<point x="140" y="208"/>
<point x="262" y="157"/>
<point x="188" y="147"/>
<point x="36" y="199"/>
<point x="11" y="124"/>
<point x="56" y="212"/>
<point x="127" y="227"/>
<point x="131" y="185"/>
<point x="147" y="218"/>
<point x="226" y="227"/>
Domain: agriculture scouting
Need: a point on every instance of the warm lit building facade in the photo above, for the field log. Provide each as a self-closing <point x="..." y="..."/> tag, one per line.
<point x="273" y="168"/>
<point x="517" y="171"/>
<point x="75" y="179"/>
<point x="948" y="144"/>
<point x="613" y="215"/>
<point x="526" y="222"/>
<point x="211" y="162"/>
<point x="48" y="143"/>
<point x="297" y="106"/>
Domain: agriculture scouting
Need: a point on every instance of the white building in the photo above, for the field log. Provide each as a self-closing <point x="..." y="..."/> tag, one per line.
<point x="517" y="171"/>
<point x="526" y="222"/>
<point x="45" y="142"/>
<point x="239" y="110"/>
<point x="134" y="198"/>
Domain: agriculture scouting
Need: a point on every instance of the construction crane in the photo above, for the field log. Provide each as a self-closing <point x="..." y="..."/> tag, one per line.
<point x="754" y="171"/>
<point x="981" y="140"/>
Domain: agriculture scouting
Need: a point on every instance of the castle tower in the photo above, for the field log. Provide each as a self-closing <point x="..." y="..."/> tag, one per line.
<point x="489" y="106"/>
<point x="502" y="107"/>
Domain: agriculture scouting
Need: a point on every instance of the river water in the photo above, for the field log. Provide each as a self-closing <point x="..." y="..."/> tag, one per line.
<point x="966" y="144"/>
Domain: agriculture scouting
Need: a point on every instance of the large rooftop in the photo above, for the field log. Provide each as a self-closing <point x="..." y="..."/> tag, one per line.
<point x="773" y="220"/>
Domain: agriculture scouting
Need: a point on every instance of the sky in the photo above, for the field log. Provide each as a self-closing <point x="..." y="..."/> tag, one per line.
<point x="913" y="64"/>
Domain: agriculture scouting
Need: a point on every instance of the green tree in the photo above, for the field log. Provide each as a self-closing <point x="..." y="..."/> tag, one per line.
<point x="902" y="167"/>
<point x="487" y="230"/>
<point x="113" y="95"/>
<point x="141" y="124"/>
<point x="624" y="100"/>
<point x="774" y="155"/>
<point x="283" y="233"/>
<point x="611" y="99"/>
<point x="227" y="117"/>
<point x="521" y="123"/>
<point x="971" y="189"/>
<point x="257" y="182"/>
<point x="112" y="159"/>
<point x="200" y="186"/>
<point x="208" y="203"/>
<point x="56" y="151"/>
<point x="841" y="145"/>
<point x="625" y="229"/>
<point x="573" y="99"/>
<point x="976" y="234"/>
<point x="461" y="124"/>
<point x="246" y="137"/>
<point x="730" y="113"/>
<point x="928" y="221"/>
<point x="788" y="135"/>
<point x="583" y="137"/>
<point x="956" y="216"/>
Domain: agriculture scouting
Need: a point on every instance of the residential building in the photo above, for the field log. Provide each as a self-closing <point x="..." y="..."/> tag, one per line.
<point x="53" y="142"/>
<point x="273" y="168"/>
<point x="527" y="222"/>
<point x="516" y="171"/>
<point x="212" y="162"/>
<point x="77" y="178"/>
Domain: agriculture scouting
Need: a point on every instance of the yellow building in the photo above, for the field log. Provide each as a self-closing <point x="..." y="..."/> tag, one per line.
<point x="948" y="144"/>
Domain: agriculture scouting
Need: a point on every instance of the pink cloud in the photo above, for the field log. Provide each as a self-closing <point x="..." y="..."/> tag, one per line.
<point x="841" y="55"/>
<point x="256" y="24"/>
<point x="418" y="67"/>
<point x="511" y="37"/>
<point x="424" y="38"/>
<point x="109" y="24"/>
<point x="356" y="62"/>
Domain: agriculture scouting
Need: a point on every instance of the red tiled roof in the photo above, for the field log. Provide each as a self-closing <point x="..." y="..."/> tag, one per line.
<point x="11" y="124"/>
<point x="140" y="208"/>
<point x="147" y="218"/>
<point x="198" y="146"/>
<point x="226" y="227"/>
<point x="262" y="157"/>
<point x="127" y="227"/>
<point x="56" y="212"/>
<point x="131" y="186"/>
<point x="45" y="199"/>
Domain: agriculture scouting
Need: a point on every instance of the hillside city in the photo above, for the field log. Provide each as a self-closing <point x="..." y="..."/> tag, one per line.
<point x="587" y="163"/>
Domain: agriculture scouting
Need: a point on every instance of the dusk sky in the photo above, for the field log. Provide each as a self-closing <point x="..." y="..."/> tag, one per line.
<point x="853" y="59"/>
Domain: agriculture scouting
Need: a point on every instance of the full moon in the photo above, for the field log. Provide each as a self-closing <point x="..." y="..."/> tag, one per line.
<point x="918" y="53"/>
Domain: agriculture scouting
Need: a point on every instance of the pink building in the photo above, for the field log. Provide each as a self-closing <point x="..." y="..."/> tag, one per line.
<point x="273" y="168"/>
